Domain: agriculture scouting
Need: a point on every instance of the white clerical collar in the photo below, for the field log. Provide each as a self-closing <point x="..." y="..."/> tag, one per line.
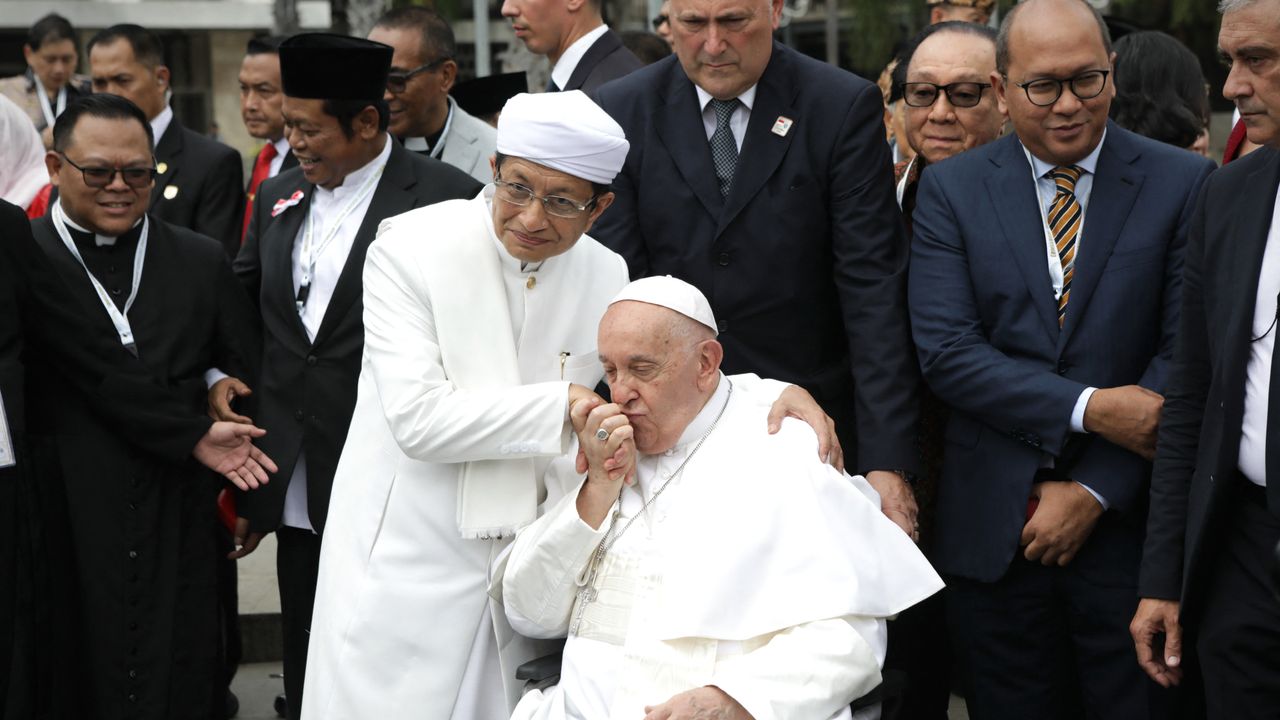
<point x="568" y="62"/>
<point x="706" y="416"/>
<point x="420" y="144"/>
<point x="160" y="123"/>
<point x="510" y="264"/>
<point x="1089" y="164"/>
<point x="747" y="98"/>
<point x="98" y="238"/>
<point x="355" y="179"/>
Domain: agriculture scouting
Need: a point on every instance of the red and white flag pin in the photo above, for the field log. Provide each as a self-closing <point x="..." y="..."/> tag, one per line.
<point x="782" y="126"/>
<point x="286" y="203"/>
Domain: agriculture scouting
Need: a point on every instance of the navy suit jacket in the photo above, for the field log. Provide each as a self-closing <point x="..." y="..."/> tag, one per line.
<point x="1201" y="423"/>
<point x="805" y="262"/>
<point x="607" y="59"/>
<point x="985" y="324"/>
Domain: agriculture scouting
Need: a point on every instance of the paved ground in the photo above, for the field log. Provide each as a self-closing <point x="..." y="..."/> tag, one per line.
<point x="257" y="690"/>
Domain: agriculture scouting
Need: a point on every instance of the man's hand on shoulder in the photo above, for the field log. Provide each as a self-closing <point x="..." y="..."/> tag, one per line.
<point x="222" y="394"/>
<point x="1127" y="416"/>
<point x="796" y="402"/>
<point x="1065" y="515"/>
<point x="1156" y="619"/>
<point x="227" y="449"/>
<point x="704" y="703"/>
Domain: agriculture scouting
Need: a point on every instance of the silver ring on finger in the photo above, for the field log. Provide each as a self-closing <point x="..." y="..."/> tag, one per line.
<point x="602" y="435"/>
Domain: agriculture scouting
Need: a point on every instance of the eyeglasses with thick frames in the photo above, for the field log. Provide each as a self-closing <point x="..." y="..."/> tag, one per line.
<point x="1046" y="91"/>
<point x="959" y="94"/>
<point x="561" y="207"/>
<point x="398" y="81"/>
<point x="100" y="177"/>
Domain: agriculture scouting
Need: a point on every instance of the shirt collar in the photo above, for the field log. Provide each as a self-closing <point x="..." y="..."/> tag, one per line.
<point x="420" y="144"/>
<point x="355" y="179"/>
<point x="747" y="98"/>
<point x="1089" y="164"/>
<point x="568" y="62"/>
<point x="282" y="147"/>
<point x="160" y="123"/>
<point x="98" y="239"/>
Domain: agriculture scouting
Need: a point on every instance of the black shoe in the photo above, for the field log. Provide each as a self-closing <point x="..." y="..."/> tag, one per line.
<point x="233" y="704"/>
<point x="282" y="706"/>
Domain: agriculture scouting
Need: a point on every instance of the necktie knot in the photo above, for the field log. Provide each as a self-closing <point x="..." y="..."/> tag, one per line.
<point x="268" y="153"/>
<point x="1066" y="177"/>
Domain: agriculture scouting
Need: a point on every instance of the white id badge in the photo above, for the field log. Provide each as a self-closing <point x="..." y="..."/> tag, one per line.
<point x="6" y="443"/>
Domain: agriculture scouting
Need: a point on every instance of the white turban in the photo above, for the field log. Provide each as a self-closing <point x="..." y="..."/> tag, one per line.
<point x="564" y="131"/>
<point x="22" y="169"/>
<point x="673" y="294"/>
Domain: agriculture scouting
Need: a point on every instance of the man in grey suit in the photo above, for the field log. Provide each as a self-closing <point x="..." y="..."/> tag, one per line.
<point x="583" y="51"/>
<point x="423" y="70"/>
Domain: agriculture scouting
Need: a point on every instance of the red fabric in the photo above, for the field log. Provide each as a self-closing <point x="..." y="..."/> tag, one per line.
<point x="261" y="171"/>
<point x="1234" y="141"/>
<point x="227" y="509"/>
<point x="40" y="203"/>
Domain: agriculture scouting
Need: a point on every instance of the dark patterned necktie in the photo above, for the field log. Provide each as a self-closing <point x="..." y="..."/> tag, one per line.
<point x="1064" y="222"/>
<point x="724" y="149"/>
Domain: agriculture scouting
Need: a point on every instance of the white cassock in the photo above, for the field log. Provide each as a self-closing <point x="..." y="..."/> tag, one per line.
<point x="759" y="570"/>
<point x="402" y="626"/>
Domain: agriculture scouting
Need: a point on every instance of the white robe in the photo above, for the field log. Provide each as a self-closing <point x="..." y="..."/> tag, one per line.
<point x="402" y="626"/>
<point x="758" y="570"/>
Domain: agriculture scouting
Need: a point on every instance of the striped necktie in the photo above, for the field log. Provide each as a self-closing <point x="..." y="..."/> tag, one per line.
<point x="1064" y="222"/>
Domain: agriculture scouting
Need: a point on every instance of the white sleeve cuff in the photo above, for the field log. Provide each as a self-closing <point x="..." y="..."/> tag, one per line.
<point x="1101" y="500"/>
<point x="212" y="376"/>
<point x="1077" y="414"/>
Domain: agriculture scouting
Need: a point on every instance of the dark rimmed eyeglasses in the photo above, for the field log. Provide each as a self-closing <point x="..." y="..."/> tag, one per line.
<point x="959" y="94"/>
<point x="561" y="207"/>
<point x="100" y="177"/>
<point x="1046" y="91"/>
<point x="398" y="81"/>
<point x="661" y="20"/>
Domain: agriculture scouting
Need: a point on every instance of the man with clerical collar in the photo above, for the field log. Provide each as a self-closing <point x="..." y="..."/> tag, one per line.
<point x="583" y="51"/>
<point x="737" y="575"/>
<point x="302" y="263"/>
<point x="476" y="343"/>
<point x="140" y="525"/>
<point x="423" y="71"/>
<point x="199" y="182"/>
<point x="260" y="100"/>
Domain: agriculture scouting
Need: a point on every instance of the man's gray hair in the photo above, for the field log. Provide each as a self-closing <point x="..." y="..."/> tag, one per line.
<point x="1226" y="6"/>
<point x="1002" y="38"/>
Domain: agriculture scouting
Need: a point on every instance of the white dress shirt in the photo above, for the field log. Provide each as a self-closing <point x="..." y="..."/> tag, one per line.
<point x="1257" y="384"/>
<point x="326" y="205"/>
<point x="1047" y="190"/>
<point x="568" y="62"/>
<point x="737" y="121"/>
<point x="282" y="149"/>
<point x="160" y="123"/>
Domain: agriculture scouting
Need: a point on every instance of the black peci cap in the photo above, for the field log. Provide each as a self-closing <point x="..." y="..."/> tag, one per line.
<point x="325" y="66"/>
<point x="485" y="96"/>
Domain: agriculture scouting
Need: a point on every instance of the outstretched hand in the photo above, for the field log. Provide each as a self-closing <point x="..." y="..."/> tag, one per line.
<point x="227" y="449"/>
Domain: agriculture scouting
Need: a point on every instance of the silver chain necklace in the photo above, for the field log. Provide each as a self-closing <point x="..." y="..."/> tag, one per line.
<point x="588" y="593"/>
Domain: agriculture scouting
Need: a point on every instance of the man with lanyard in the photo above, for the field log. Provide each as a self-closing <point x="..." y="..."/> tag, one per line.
<point x="50" y="81"/>
<point x="423" y="70"/>
<point x="139" y="535"/>
<point x="302" y="262"/>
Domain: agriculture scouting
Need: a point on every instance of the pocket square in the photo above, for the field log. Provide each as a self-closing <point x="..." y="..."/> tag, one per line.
<point x="286" y="203"/>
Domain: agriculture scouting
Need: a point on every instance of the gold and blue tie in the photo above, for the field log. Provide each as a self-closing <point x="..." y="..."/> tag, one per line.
<point x="1064" y="222"/>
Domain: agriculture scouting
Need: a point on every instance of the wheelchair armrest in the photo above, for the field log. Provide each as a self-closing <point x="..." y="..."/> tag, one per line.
<point x="539" y="669"/>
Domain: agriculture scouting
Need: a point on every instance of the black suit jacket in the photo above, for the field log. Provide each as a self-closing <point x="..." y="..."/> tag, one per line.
<point x="607" y="59"/>
<point x="1199" y="441"/>
<point x="202" y="186"/>
<point x="307" y="390"/>
<point x="805" y="261"/>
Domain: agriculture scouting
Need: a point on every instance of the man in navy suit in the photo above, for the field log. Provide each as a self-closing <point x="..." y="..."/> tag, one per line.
<point x="1215" y="493"/>
<point x="1044" y="296"/>
<point x="761" y="177"/>
<point x="583" y="51"/>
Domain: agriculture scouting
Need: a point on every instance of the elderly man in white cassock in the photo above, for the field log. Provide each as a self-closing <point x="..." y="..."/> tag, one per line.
<point x="480" y="321"/>
<point x="739" y="577"/>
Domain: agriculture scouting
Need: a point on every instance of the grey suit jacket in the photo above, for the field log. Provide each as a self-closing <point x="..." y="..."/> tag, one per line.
<point x="470" y="144"/>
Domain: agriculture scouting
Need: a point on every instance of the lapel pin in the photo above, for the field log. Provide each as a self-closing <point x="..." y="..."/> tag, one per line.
<point x="782" y="126"/>
<point x="171" y="192"/>
<point x="162" y="168"/>
<point x="285" y="203"/>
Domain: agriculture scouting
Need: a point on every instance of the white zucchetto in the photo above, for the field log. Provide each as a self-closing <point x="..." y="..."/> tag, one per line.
<point x="564" y="131"/>
<point x="673" y="294"/>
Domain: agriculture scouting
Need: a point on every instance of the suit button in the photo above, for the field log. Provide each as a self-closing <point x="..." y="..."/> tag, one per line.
<point x="133" y="698"/>
<point x="133" y="674"/>
<point x="1063" y="367"/>
<point x="297" y="415"/>
<point x="723" y="260"/>
<point x="312" y="360"/>
<point x="133" y="554"/>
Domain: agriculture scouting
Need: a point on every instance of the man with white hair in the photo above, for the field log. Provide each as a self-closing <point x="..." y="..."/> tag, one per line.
<point x="479" y="321"/>
<point x="738" y="576"/>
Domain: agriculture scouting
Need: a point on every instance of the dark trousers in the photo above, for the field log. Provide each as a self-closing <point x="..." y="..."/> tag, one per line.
<point x="1239" y="631"/>
<point x="917" y="668"/>
<point x="1048" y="643"/>
<point x="230" y="646"/>
<point x="297" y="563"/>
